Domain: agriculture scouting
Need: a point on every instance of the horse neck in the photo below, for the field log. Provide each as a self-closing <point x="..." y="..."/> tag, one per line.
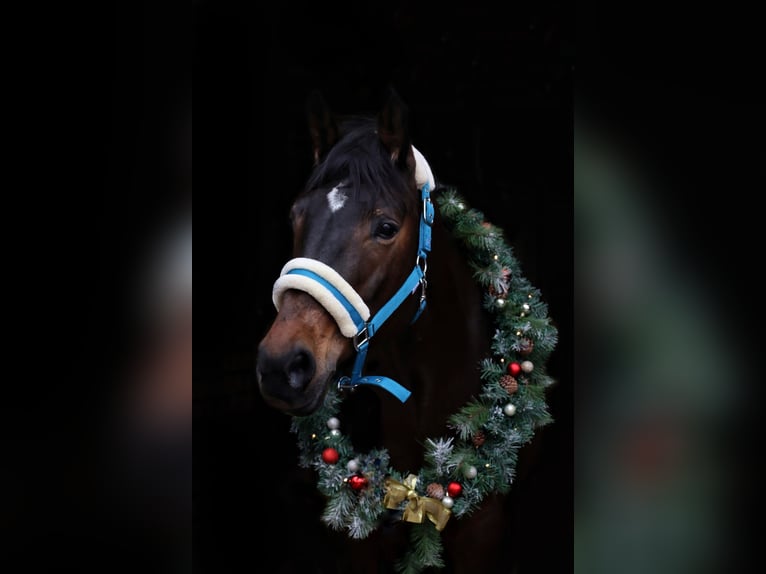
<point x="436" y="358"/>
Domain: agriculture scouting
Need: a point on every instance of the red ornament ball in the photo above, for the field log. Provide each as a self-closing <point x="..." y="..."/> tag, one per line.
<point x="514" y="369"/>
<point x="454" y="489"/>
<point x="330" y="455"/>
<point x="358" y="482"/>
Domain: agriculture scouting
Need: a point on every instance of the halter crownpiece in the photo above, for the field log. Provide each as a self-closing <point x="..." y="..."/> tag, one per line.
<point x="347" y="307"/>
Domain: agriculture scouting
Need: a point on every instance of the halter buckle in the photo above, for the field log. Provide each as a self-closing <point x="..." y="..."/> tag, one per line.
<point x="345" y="384"/>
<point x="365" y="338"/>
<point x="428" y="210"/>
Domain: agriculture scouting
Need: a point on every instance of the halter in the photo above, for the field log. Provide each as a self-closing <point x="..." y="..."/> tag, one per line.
<point x="348" y="308"/>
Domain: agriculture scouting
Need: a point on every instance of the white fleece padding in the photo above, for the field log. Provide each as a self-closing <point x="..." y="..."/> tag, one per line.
<point x="423" y="172"/>
<point x="323" y="296"/>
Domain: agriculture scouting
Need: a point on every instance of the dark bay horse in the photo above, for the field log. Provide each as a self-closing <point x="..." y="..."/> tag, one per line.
<point x="359" y="214"/>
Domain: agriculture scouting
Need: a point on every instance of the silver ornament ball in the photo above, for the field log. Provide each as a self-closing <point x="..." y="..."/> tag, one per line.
<point x="448" y="502"/>
<point x="333" y="423"/>
<point x="470" y="472"/>
<point x="509" y="410"/>
<point x="353" y="465"/>
<point x="527" y="366"/>
<point x="525" y="307"/>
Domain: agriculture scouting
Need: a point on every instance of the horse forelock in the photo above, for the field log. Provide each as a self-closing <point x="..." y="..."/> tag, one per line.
<point x="361" y="168"/>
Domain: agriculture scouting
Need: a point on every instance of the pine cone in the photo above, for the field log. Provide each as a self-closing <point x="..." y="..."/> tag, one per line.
<point x="500" y="291"/>
<point x="478" y="438"/>
<point x="526" y="346"/>
<point x="435" y="490"/>
<point x="509" y="384"/>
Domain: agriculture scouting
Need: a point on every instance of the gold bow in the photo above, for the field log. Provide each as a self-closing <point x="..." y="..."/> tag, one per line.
<point x="419" y="506"/>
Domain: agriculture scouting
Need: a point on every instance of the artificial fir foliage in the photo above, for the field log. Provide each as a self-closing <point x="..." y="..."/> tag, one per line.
<point x="489" y="430"/>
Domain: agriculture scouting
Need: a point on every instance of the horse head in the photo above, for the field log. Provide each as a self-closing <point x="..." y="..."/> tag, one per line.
<point x="358" y="215"/>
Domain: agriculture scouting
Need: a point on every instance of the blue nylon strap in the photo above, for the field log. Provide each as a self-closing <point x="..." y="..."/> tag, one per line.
<point x="424" y="242"/>
<point x="414" y="279"/>
<point x="424" y="247"/>
<point x="387" y="384"/>
<point x="384" y="383"/>
<point x="355" y="316"/>
<point x="421" y="308"/>
<point x="409" y="285"/>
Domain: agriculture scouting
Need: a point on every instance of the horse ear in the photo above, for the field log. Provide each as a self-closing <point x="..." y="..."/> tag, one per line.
<point x="322" y="125"/>
<point x="394" y="130"/>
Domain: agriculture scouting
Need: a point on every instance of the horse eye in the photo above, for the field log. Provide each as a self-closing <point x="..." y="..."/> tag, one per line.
<point x="386" y="230"/>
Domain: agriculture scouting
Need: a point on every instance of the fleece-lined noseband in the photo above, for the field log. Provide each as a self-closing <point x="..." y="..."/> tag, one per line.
<point x="347" y="307"/>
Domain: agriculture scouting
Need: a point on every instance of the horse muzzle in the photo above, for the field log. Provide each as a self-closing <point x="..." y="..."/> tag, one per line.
<point x="298" y="356"/>
<point x="285" y="380"/>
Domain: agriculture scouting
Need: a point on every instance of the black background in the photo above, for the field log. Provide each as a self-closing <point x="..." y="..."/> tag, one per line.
<point x="98" y="163"/>
<point x="94" y="99"/>
<point x="490" y="97"/>
<point x="681" y="91"/>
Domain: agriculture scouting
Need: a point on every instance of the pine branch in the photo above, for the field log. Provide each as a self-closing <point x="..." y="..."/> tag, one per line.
<point x="437" y="455"/>
<point x="425" y="549"/>
<point x="337" y="509"/>
<point x="469" y="419"/>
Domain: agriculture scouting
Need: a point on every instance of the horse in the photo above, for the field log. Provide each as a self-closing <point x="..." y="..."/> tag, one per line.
<point x="359" y="215"/>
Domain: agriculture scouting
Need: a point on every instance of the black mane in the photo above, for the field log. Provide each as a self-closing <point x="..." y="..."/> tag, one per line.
<point x="362" y="162"/>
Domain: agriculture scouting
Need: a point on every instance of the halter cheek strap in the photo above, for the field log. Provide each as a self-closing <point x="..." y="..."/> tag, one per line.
<point x="348" y="308"/>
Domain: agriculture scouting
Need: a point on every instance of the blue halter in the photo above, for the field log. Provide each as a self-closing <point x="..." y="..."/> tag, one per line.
<point x="416" y="278"/>
<point x="366" y="330"/>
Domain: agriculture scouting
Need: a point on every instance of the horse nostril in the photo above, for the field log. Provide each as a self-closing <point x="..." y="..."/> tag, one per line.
<point x="286" y="375"/>
<point x="300" y="369"/>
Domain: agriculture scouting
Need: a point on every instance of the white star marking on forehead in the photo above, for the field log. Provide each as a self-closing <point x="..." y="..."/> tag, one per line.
<point x="336" y="199"/>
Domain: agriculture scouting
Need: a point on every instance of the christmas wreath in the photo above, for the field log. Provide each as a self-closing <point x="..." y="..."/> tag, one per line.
<point x="480" y="458"/>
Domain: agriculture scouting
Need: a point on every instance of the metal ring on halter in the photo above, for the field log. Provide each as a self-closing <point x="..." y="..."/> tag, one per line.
<point x="418" y="259"/>
<point x="345" y="384"/>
